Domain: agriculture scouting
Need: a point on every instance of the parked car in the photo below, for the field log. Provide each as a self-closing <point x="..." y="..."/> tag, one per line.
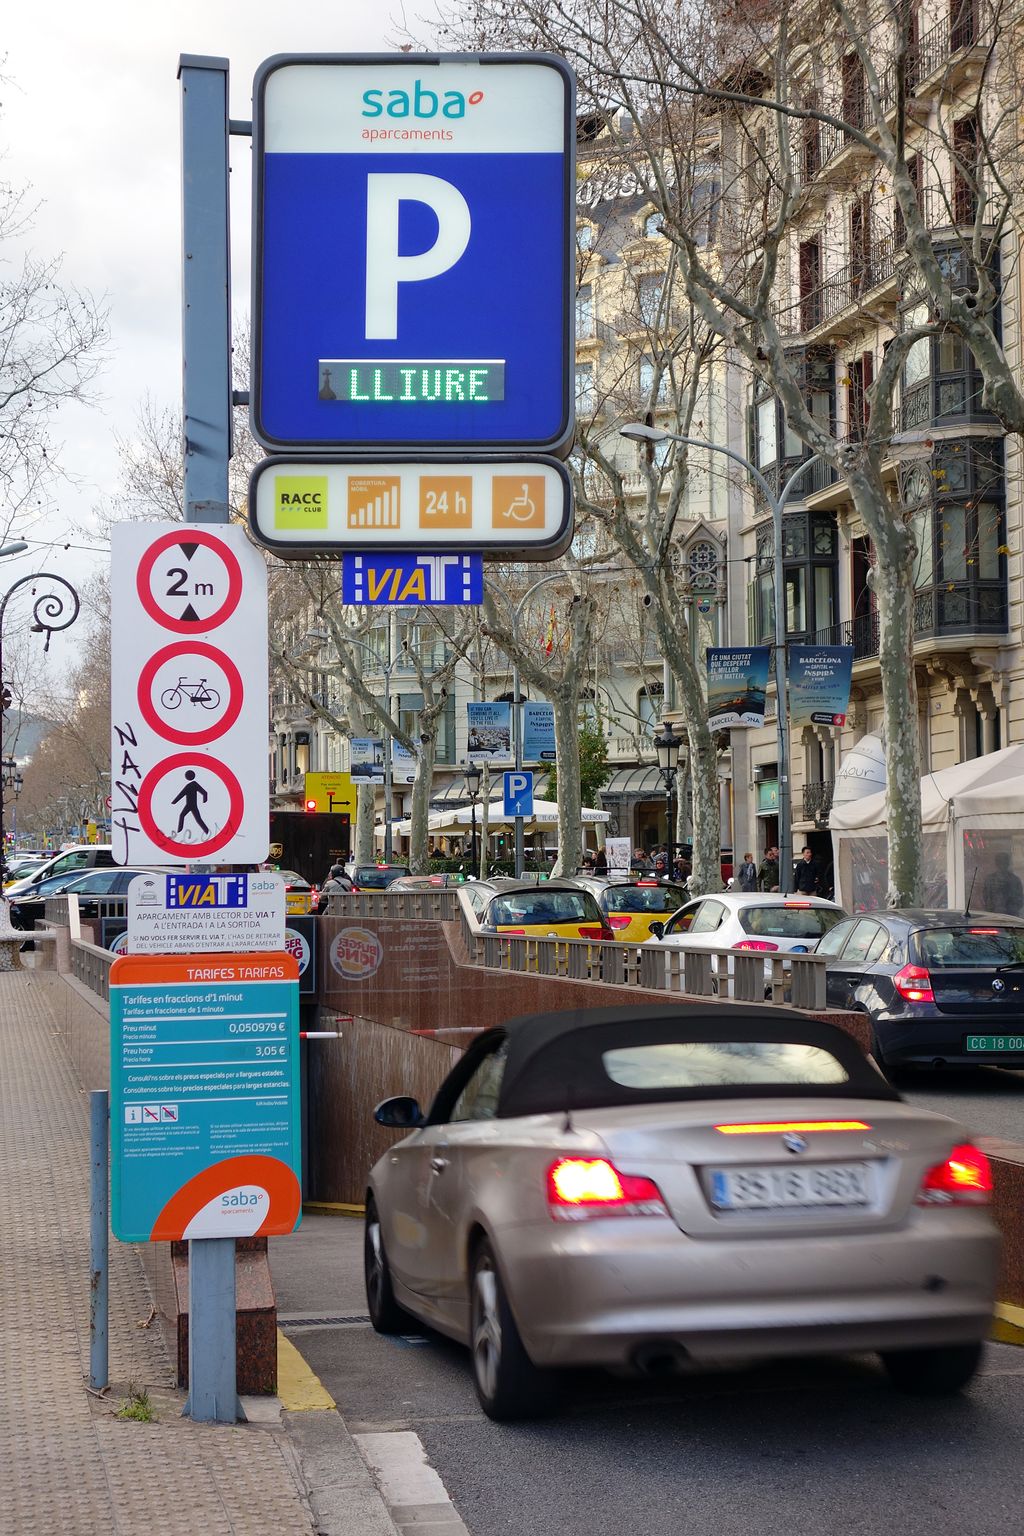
<point x="20" y="869"/>
<point x="764" y="921"/>
<point x="643" y="1188"/>
<point x="436" y="882"/>
<point x="941" y="988"/>
<point x="376" y="877"/>
<point x="28" y="907"/>
<point x="298" y="893"/>
<point x="558" y="909"/>
<point x="78" y="857"/>
<point x="630" y="906"/>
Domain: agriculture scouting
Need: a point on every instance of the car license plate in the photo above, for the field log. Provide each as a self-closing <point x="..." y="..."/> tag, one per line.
<point x="981" y="1043"/>
<point x="764" y="1189"/>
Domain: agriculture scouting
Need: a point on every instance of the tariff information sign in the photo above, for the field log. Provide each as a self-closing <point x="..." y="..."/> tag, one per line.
<point x="204" y="1108"/>
<point x="192" y="914"/>
<point x="189" y="695"/>
<point x="414" y="263"/>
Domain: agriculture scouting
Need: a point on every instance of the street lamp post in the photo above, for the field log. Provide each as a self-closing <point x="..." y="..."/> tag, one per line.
<point x="667" y="747"/>
<point x="52" y="611"/>
<point x="640" y="432"/>
<point x="472" y="776"/>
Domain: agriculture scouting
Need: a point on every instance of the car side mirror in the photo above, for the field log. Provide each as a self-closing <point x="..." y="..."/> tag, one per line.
<point x="402" y="1113"/>
<point x="658" y="930"/>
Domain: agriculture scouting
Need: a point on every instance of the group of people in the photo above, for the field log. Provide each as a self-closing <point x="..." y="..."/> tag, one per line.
<point x="808" y="877"/>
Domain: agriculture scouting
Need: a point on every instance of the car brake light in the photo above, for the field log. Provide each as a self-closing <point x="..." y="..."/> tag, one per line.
<point x="801" y="906"/>
<point x="580" y="1188"/>
<point x="756" y="944"/>
<point x="619" y="920"/>
<point x="646" y="883"/>
<point x="983" y="930"/>
<point x="595" y="931"/>
<point x="514" y="931"/>
<point x="965" y="1178"/>
<point x="766" y="1127"/>
<point x="914" y="984"/>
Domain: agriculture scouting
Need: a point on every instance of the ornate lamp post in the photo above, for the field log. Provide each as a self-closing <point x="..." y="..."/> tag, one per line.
<point x="54" y="609"/>
<point x="473" y="776"/>
<point x="667" y="747"/>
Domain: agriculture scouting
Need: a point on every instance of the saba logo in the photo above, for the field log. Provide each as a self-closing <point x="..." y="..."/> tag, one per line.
<point x="419" y="103"/>
<point x="242" y="1199"/>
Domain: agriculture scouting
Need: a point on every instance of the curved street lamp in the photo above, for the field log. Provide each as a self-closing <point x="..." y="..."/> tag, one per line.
<point x="472" y="776"/>
<point x="667" y="746"/>
<point x="52" y="611"/>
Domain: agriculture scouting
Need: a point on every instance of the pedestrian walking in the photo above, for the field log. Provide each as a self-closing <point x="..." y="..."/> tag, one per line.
<point x="807" y="875"/>
<point x="768" y="874"/>
<point x="746" y="877"/>
<point x="601" y="862"/>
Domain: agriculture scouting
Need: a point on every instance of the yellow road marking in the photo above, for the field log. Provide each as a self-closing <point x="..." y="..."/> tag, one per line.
<point x="1008" y="1324"/>
<point x="332" y="1208"/>
<point x="299" y="1389"/>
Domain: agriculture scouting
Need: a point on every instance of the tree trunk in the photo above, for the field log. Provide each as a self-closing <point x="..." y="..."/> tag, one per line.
<point x="366" y="799"/>
<point x="419" y="859"/>
<point x="570" y="803"/>
<point x="707" y="836"/>
<point x="892" y="579"/>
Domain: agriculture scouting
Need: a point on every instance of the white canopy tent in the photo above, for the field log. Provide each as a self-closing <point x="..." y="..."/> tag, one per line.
<point x="460" y="819"/>
<point x="972" y="819"/>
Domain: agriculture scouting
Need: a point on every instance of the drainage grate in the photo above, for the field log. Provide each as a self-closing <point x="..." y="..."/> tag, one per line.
<point x="322" y="1320"/>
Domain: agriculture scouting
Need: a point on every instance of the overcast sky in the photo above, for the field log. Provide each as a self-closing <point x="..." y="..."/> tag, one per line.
<point x="91" y="119"/>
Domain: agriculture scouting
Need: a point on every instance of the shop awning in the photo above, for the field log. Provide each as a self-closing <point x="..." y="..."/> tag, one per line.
<point x="635" y="781"/>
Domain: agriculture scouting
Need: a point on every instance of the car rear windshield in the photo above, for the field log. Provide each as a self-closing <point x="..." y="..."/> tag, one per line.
<point x="375" y="877"/>
<point x="984" y="944"/>
<point x="788" y="921"/>
<point x="644" y="898"/>
<point x="721" y="1064"/>
<point x="524" y="908"/>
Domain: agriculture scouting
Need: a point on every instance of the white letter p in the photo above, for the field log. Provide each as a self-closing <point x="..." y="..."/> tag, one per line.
<point x="385" y="268"/>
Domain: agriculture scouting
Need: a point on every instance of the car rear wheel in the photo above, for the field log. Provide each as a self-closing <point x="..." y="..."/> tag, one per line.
<point x="385" y="1313"/>
<point x="936" y="1372"/>
<point x="507" y="1382"/>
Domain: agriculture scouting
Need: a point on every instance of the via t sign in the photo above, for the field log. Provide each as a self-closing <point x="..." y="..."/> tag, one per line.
<point x="413" y="270"/>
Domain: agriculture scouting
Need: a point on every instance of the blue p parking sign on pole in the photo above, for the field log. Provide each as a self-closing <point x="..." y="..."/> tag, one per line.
<point x="519" y="793"/>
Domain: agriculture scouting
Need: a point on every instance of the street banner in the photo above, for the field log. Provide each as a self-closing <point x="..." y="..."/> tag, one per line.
<point x="737" y="684"/>
<point x="538" y="732"/>
<point x="819" y="684"/>
<point x="403" y="764"/>
<point x="366" y="760"/>
<point x="490" y="732"/>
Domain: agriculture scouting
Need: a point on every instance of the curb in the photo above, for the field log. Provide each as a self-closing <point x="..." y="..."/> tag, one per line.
<point x="1008" y="1324"/>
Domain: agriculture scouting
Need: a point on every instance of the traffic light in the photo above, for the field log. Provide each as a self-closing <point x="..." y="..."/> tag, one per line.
<point x="311" y="805"/>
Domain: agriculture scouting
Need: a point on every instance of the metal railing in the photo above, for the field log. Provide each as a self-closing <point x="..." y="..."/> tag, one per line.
<point x="441" y="904"/>
<point x="818" y="800"/>
<point x="735" y="975"/>
<point x="91" y="966"/>
<point x="951" y="608"/>
<point x="851" y="285"/>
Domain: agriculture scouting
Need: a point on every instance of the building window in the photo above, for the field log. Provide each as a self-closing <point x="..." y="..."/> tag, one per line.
<point x="585" y="311"/>
<point x="966" y="141"/>
<point x="702" y="560"/>
<point x="853" y="91"/>
<point x="652" y="226"/>
<point x="649" y="292"/>
<point x="584" y="387"/>
<point x="810" y="578"/>
<point x="767" y="432"/>
<point x="957" y="508"/>
<point x="650" y="706"/>
<point x="647" y="376"/>
<point x="585" y="236"/>
<point x="810" y="283"/>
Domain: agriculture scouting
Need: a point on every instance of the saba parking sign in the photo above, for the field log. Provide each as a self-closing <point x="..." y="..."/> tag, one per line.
<point x="413" y="274"/>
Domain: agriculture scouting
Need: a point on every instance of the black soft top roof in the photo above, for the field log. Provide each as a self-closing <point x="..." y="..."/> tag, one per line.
<point x="554" y="1059"/>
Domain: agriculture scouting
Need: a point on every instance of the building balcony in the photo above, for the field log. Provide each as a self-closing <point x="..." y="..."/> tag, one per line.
<point x="835" y="306"/>
<point x="818" y="801"/>
<point x="949" y="611"/>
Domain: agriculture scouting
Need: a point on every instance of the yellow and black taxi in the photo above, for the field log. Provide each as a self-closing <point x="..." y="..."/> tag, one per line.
<point x="629" y="907"/>
<point x="556" y="909"/>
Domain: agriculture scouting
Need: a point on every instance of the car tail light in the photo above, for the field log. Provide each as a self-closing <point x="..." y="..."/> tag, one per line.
<point x="965" y="1178"/>
<point x="580" y="1188"/>
<point x="515" y="932"/>
<point x="914" y="984"/>
<point x="756" y="944"/>
<point x="619" y="920"/>
<point x="801" y="906"/>
<point x="647" y="883"/>
<point x="595" y="931"/>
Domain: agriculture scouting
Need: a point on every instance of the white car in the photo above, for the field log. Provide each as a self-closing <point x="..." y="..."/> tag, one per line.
<point x="772" y="923"/>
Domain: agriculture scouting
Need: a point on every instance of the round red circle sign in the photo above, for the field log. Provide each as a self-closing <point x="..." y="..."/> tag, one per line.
<point x="201" y="695"/>
<point x="180" y="616"/>
<point x="165" y="841"/>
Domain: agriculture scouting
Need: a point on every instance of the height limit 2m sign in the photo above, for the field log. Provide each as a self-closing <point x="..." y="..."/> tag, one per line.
<point x="188" y="696"/>
<point x="414" y="276"/>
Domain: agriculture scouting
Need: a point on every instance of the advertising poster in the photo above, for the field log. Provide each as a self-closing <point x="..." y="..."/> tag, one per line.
<point x="619" y="853"/>
<point x="819" y="684"/>
<point x="490" y="732"/>
<point x="366" y="760"/>
<point x="737" y="684"/>
<point x="538" y="732"/>
<point x="403" y="764"/>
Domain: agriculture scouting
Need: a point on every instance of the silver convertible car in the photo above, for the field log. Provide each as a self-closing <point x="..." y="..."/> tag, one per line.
<point x="648" y="1188"/>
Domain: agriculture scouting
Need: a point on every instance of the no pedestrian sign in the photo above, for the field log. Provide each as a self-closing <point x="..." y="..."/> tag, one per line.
<point x="188" y="696"/>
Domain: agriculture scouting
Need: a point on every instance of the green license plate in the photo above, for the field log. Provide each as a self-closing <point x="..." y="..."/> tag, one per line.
<point x="981" y="1044"/>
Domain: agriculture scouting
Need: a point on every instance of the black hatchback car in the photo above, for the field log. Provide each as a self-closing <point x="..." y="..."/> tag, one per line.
<point x="941" y="988"/>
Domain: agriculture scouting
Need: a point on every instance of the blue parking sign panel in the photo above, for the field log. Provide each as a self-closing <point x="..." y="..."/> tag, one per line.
<point x="518" y="787"/>
<point x="413" y="280"/>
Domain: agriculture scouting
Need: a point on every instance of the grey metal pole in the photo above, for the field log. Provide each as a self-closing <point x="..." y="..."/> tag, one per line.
<point x="388" y="788"/>
<point x="99" y="1240"/>
<point x="782" y="706"/>
<point x="206" y="411"/>
<point x="517" y="736"/>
